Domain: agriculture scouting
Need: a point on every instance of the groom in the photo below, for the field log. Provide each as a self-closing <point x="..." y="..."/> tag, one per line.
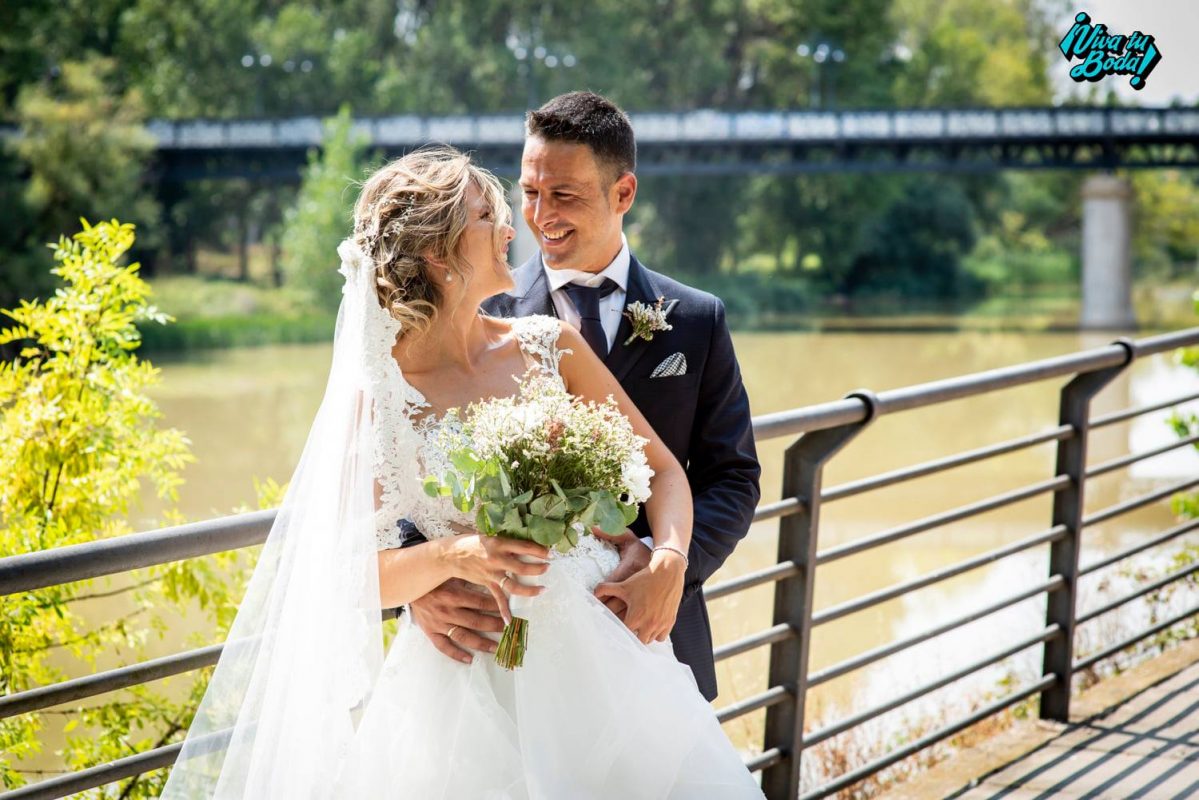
<point x="577" y="176"/>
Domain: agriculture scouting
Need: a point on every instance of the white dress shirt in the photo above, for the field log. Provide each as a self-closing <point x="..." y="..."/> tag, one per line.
<point x="611" y="307"/>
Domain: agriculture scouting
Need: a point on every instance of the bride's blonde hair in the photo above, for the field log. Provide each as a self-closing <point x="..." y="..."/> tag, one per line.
<point x="413" y="209"/>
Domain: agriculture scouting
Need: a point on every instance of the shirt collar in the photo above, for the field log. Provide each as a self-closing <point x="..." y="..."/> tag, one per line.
<point x="617" y="270"/>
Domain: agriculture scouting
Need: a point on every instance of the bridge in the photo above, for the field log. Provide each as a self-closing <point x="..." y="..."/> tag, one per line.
<point x="818" y="434"/>
<point x="708" y="142"/>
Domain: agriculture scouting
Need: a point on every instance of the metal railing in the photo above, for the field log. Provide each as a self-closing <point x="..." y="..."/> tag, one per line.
<point x="822" y="431"/>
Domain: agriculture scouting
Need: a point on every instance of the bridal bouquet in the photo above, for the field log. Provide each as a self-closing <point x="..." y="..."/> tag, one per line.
<point x="545" y="466"/>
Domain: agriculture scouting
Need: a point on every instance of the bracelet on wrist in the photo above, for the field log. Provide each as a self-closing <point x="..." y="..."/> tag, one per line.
<point x="686" y="561"/>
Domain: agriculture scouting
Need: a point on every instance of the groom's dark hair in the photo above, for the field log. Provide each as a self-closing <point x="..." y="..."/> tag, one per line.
<point x="590" y="119"/>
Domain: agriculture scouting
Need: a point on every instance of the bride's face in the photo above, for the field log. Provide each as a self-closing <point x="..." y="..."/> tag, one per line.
<point x="483" y="249"/>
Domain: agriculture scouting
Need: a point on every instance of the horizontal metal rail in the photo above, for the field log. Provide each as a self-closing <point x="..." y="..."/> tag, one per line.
<point x="772" y="574"/>
<point x="779" y="508"/>
<point x="1056" y="583"/>
<point x="792" y="505"/>
<point x="770" y="697"/>
<point x="844" y="490"/>
<point x="1140" y="591"/>
<point x="78" y="562"/>
<point x="1107" y="652"/>
<point x="865" y="771"/>
<point x="1124" y="461"/>
<point x="1172" y="533"/>
<point x="777" y="633"/>
<point x="110" y="681"/>
<point x="829" y="731"/>
<point x="883" y="595"/>
<point x="1138" y="502"/>
<point x="1129" y="413"/>
<point x="1164" y="342"/>
<point x="944" y="518"/>
<point x="767" y="759"/>
<point x="65" y="785"/>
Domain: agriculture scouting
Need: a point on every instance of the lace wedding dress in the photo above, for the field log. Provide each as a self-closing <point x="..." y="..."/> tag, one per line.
<point x="304" y="704"/>
<point x="592" y="713"/>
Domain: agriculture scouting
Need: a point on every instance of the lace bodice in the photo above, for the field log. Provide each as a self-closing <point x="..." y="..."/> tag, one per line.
<point x="407" y="451"/>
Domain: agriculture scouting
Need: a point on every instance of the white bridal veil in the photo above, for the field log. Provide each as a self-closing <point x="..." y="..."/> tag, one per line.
<point x="306" y="646"/>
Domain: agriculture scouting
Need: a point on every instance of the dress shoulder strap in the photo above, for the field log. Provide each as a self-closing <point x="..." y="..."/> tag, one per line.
<point x="538" y="337"/>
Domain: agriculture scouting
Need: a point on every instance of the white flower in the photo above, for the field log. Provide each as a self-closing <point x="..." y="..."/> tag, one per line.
<point x="635" y="474"/>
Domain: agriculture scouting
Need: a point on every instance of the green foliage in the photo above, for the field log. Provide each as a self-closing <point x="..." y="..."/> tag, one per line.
<point x="1016" y="259"/>
<point x="321" y="217"/>
<point x="225" y="313"/>
<point x="915" y="247"/>
<point x="1165" y="242"/>
<point x="78" y="435"/>
<point x="81" y="153"/>
<point x="309" y="58"/>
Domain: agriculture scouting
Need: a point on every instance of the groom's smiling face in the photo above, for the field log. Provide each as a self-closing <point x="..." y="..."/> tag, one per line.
<point x="573" y="204"/>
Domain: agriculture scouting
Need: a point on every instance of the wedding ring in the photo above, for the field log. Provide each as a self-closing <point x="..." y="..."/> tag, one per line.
<point x="504" y="580"/>
<point x="450" y="633"/>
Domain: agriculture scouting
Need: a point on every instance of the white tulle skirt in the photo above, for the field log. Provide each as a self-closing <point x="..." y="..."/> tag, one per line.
<point x="593" y="713"/>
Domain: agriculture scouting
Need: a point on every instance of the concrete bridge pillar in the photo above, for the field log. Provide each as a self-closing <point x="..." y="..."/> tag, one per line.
<point x="1107" y="253"/>
<point x="524" y="246"/>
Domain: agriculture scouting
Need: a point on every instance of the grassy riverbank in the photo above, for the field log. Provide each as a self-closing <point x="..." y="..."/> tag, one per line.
<point x="218" y="312"/>
<point x="221" y="313"/>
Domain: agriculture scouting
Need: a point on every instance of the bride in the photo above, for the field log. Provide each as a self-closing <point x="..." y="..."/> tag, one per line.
<point x="303" y="703"/>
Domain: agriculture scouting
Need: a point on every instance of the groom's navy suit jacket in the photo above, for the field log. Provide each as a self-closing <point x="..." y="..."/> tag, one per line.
<point x="702" y="416"/>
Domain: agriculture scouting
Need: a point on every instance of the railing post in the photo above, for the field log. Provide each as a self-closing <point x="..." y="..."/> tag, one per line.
<point x="802" y="468"/>
<point x="1075" y="411"/>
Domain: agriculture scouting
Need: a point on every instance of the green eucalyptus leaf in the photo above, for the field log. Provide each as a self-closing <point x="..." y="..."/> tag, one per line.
<point x="556" y="507"/>
<point x="464" y="461"/>
<point x="512" y="522"/>
<point x="609" y="516"/>
<point x="545" y="532"/>
<point x="540" y="505"/>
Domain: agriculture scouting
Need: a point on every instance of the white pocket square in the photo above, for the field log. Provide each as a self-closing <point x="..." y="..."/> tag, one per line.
<point x="675" y="364"/>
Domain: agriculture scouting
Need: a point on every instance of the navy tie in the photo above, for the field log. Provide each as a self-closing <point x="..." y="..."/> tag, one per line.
<point x="587" y="300"/>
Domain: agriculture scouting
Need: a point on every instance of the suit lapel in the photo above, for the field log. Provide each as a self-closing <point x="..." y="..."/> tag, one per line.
<point x="622" y="357"/>
<point x="531" y="295"/>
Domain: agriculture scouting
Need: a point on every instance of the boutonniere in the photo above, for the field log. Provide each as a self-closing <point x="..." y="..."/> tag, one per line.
<point x="648" y="320"/>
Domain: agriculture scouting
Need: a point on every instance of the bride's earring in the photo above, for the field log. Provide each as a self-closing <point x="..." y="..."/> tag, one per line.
<point x="449" y="276"/>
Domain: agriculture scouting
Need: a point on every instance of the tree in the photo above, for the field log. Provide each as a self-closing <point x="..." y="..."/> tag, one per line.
<point x="78" y="435"/>
<point x="915" y="247"/>
<point x="82" y="152"/>
<point x="321" y="216"/>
